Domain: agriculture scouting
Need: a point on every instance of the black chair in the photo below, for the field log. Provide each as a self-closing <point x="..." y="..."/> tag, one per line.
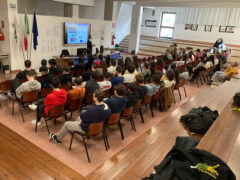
<point x="65" y="53"/>
<point x="93" y="130"/>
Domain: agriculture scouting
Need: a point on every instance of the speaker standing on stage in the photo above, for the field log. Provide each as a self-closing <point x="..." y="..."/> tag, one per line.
<point x="89" y="45"/>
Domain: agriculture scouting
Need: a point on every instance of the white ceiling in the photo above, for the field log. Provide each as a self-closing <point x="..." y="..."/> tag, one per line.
<point x="187" y="3"/>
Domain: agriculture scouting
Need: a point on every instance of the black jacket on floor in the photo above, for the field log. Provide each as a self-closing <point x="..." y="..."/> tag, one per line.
<point x="181" y="164"/>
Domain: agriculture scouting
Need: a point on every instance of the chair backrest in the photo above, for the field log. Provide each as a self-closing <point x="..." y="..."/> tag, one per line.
<point x="172" y="87"/>
<point x="75" y="104"/>
<point x="201" y="73"/>
<point x="65" y="86"/>
<point x="57" y="75"/>
<point x="95" y="128"/>
<point x="5" y="86"/>
<point x="56" y="111"/>
<point x="157" y="95"/>
<point x="30" y="96"/>
<point x="184" y="82"/>
<point x="147" y="99"/>
<point x="106" y="93"/>
<point x="79" y="72"/>
<point x="127" y="112"/>
<point x="100" y="79"/>
<point x="46" y="91"/>
<point x="137" y="106"/>
<point x="89" y="99"/>
<point x="114" y="118"/>
<point x="177" y="85"/>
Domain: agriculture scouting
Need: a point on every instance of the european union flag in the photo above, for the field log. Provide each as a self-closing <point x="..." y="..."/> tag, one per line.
<point x="35" y="31"/>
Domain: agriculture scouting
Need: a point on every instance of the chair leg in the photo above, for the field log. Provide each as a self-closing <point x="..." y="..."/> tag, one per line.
<point x="1" y="106"/>
<point x="71" y="115"/>
<point x="104" y="130"/>
<point x="104" y="140"/>
<point x="185" y="91"/>
<point x="140" y="112"/>
<point x="151" y="108"/>
<point x="13" y="108"/>
<point x="120" y="128"/>
<point x="21" y="113"/>
<point x="197" y="82"/>
<point x="47" y="125"/>
<point x="179" y="94"/>
<point x="130" y="119"/>
<point x="174" y="97"/>
<point x="160" y="105"/>
<point x="86" y="148"/>
<point x="134" y="127"/>
<point x="70" y="145"/>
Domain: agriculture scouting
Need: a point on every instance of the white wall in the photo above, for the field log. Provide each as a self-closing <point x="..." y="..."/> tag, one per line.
<point x="147" y="15"/>
<point x="94" y="12"/>
<point x="123" y="23"/>
<point x="199" y="35"/>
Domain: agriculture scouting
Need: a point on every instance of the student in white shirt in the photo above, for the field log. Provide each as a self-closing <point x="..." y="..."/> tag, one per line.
<point x="105" y="84"/>
<point x="112" y="67"/>
<point x="130" y="77"/>
<point x="169" y="79"/>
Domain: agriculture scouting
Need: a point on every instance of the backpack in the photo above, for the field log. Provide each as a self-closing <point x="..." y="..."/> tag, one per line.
<point x="199" y="120"/>
<point x="236" y="99"/>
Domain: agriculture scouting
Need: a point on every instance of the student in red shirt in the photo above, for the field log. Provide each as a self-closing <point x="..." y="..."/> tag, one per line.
<point x="56" y="98"/>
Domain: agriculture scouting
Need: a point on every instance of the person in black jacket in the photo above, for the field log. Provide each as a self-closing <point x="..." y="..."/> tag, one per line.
<point x="89" y="45"/>
<point x="132" y="95"/>
<point x="54" y="68"/>
<point x="46" y="77"/>
<point x="141" y="89"/>
<point x="66" y="77"/>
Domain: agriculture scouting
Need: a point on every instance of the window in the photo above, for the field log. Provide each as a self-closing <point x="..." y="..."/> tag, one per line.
<point x="167" y="25"/>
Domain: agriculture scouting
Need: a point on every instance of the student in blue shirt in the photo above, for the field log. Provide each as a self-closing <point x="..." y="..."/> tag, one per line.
<point x="118" y="78"/>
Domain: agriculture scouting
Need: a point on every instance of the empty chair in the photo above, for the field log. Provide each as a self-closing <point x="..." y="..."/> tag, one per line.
<point x="93" y="130"/>
<point x="54" y="113"/>
<point x="27" y="98"/>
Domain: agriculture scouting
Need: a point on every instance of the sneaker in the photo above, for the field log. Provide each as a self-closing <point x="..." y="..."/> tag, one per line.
<point x="54" y="138"/>
<point x="34" y="122"/>
<point x="33" y="107"/>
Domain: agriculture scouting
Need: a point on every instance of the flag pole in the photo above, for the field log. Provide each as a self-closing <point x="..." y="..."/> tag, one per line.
<point x="31" y="38"/>
<point x="22" y="50"/>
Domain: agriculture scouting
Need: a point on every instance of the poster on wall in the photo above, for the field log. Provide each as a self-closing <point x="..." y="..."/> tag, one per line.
<point x="230" y="29"/>
<point x="188" y="26"/>
<point x="194" y="27"/>
<point x="151" y="23"/>
<point x="222" y="28"/>
<point x="208" y="28"/>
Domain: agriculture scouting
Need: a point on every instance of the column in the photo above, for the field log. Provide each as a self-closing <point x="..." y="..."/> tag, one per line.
<point x="135" y="31"/>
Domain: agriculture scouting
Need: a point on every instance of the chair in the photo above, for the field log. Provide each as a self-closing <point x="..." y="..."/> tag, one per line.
<point x="177" y="87"/>
<point x="137" y="108"/>
<point x="127" y="114"/>
<point x="57" y="75"/>
<point x="54" y="113"/>
<point x="100" y="79"/>
<point x="26" y="99"/>
<point x="46" y="91"/>
<point x="89" y="99"/>
<point x="74" y="105"/>
<point x="156" y="98"/>
<point x="200" y="77"/>
<point x="184" y="82"/>
<point x="80" y="72"/>
<point x="147" y="101"/>
<point x="65" y="86"/>
<point x="106" y="93"/>
<point x="93" y="130"/>
<point x="115" y="119"/>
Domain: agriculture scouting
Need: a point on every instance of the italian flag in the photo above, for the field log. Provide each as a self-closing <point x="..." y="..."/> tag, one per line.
<point x="27" y="32"/>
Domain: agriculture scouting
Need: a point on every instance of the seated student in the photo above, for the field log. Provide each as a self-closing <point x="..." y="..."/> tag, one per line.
<point x="80" y="65"/>
<point x="135" y="69"/>
<point x="153" y="67"/>
<point x="118" y="77"/>
<point x="43" y="64"/>
<point x="176" y="73"/>
<point x="112" y="67"/>
<point x="108" y="60"/>
<point x="169" y="79"/>
<point x="30" y="85"/>
<point x="21" y="76"/>
<point x="233" y="70"/>
<point x="72" y="67"/>
<point x="66" y="77"/>
<point x="88" y="66"/>
<point x="132" y="95"/>
<point x="56" y="98"/>
<point x="154" y="86"/>
<point x="54" y="68"/>
<point x="167" y="56"/>
<point x="135" y="63"/>
<point x="118" y="102"/>
<point x="91" y="85"/>
<point x="198" y="56"/>
<point x="129" y="77"/>
<point x="46" y="77"/>
<point x="141" y="89"/>
<point x="95" y="114"/>
<point x="86" y="75"/>
<point x="146" y="72"/>
<point x="160" y="64"/>
<point x="105" y="84"/>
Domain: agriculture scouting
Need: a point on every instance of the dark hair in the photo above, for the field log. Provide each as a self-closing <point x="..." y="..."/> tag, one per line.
<point x="113" y="62"/>
<point x="173" y="66"/>
<point x="94" y="75"/>
<point x="103" y="66"/>
<point x="128" y="61"/>
<point x="95" y="65"/>
<point x="135" y="62"/>
<point x="100" y="57"/>
<point x="121" y="89"/>
<point x="156" y="79"/>
<point x="176" y="75"/>
<point x="121" y="63"/>
<point x="170" y="75"/>
<point x="198" y="50"/>
<point x="159" y="73"/>
<point x="131" y="68"/>
<point x="119" y="69"/>
<point x="27" y="63"/>
<point x="108" y="60"/>
<point x="99" y="94"/>
<point x="30" y="73"/>
<point x="43" y="69"/>
<point x="175" y="44"/>
<point x="160" y="62"/>
<point x="107" y="75"/>
<point x="55" y="82"/>
<point x="66" y="69"/>
<point x="146" y="65"/>
<point x="44" y="62"/>
<point x="78" y="81"/>
<point x="70" y="63"/>
<point x="139" y="78"/>
<point x="132" y="87"/>
<point x="52" y="62"/>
